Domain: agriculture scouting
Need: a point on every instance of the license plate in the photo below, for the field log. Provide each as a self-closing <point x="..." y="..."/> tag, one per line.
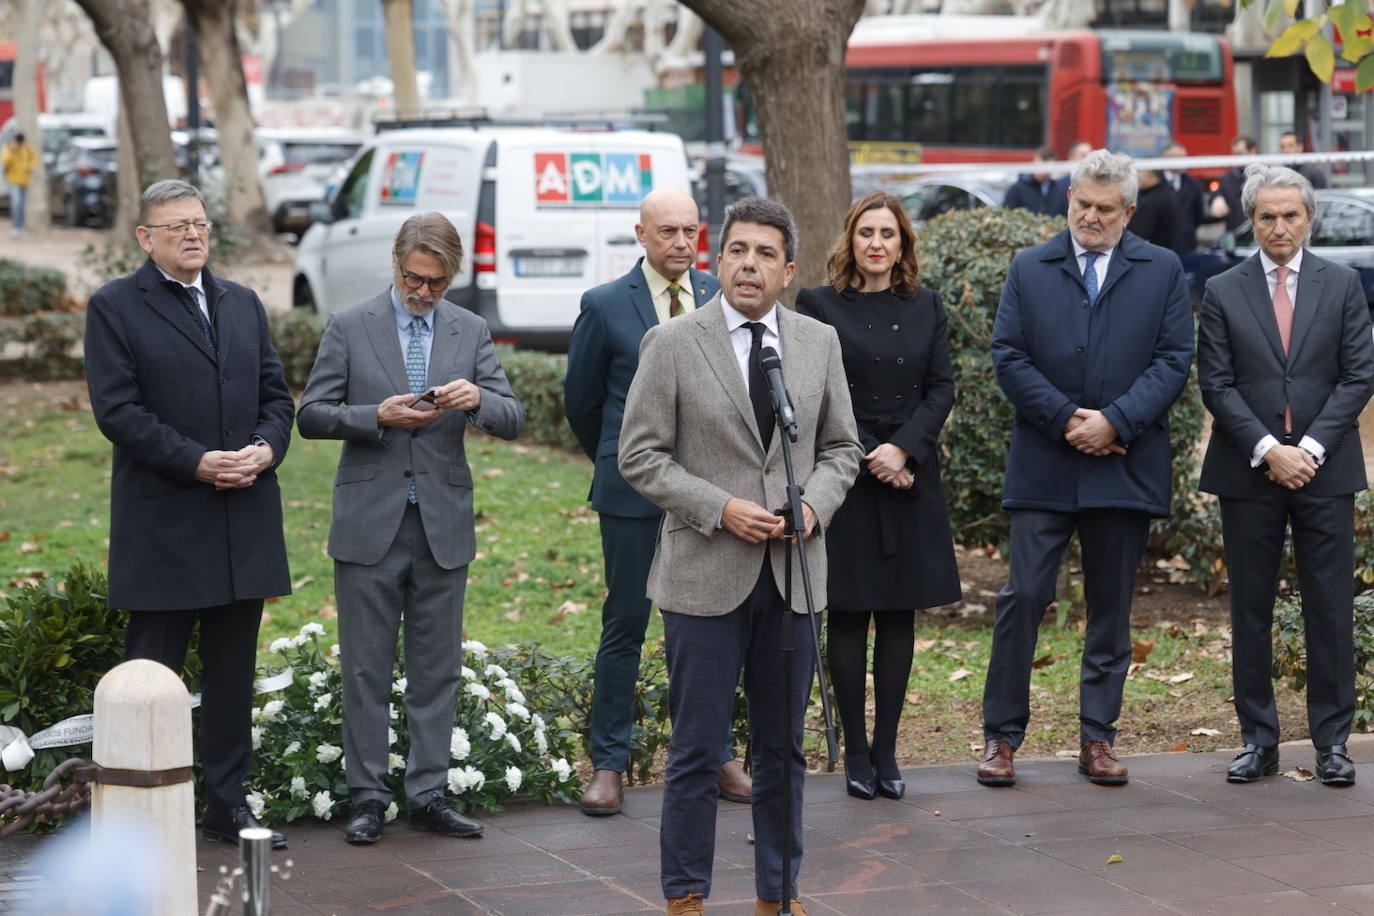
<point x="548" y="267"/>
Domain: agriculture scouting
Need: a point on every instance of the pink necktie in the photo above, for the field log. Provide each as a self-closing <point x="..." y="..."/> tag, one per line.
<point x="1283" y="314"/>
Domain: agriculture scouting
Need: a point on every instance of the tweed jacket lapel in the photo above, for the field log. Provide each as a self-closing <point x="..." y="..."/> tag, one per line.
<point x="386" y="343"/>
<point x="714" y="341"/>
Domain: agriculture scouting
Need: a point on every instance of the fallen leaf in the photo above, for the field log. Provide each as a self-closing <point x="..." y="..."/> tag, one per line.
<point x="512" y="616"/>
<point x="1043" y="661"/>
<point x="572" y="607"/>
<point x="1180" y="678"/>
<point x="29" y="547"/>
<point x="1065" y="753"/>
<point x="960" y="674"/>
<point x="1209" y="732"/>
<point x="1181" y="746"/>
<point x="1115" y="858"/>
<point x="1141" y="649"/>
<point x="1299" y="774"/>
<point x="4" y="536"/>
<point x="493" y="472"/>
<point x="301" y="583"/>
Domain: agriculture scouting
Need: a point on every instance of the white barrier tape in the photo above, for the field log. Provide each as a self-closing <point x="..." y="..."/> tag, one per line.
<point x="17" y="749"/>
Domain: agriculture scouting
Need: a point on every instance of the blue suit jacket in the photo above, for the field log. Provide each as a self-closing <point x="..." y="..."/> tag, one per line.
<point x="1127" y="356"/>
<point x="602" y="359"/>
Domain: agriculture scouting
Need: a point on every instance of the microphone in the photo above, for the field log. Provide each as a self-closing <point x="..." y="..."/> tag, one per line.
<point x="771" y="364"/>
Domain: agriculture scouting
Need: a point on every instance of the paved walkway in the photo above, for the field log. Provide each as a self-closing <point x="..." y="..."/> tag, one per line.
<point x="1188" y="843"/>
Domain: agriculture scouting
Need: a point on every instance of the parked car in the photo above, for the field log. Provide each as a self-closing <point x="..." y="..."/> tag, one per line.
<point x="1342" y="232"/>
<point x="296" y="166"/>
<point x="928" y="197"/>
<point x="57" y="129"/>
<point x="544" y="213"/>
<point x="81" y="185"/>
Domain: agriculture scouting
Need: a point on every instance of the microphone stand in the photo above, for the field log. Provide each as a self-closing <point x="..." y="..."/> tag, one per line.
<point x="795" y="524"/>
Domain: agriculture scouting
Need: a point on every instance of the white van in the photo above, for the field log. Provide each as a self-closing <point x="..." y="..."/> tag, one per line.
<point x="544" y="214"/>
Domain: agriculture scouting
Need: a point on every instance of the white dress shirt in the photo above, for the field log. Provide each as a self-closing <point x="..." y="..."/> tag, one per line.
<point x="1079" y="253"/>
<point x="742" y="339"/>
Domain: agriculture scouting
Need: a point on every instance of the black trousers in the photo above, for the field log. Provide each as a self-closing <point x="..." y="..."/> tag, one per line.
<point x="1113" y="541"/>
<point x="1252" y="532"/>
<point x="228" y="654"/>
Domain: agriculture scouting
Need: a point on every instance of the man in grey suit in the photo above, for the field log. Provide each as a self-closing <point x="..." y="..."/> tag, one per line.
<point x="1286" y="364"/>
<point x="698" y="442"/>
<point x="602" y="359"/>
<point x="398" y="378"/>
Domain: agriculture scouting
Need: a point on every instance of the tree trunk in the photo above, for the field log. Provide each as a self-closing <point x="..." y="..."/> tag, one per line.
<point x="791" y="56"/>
<point x="400" y="53"/>
<point x="125" y="29"/>
<point x="213" y="21"/>
<point x="26" y="109"/>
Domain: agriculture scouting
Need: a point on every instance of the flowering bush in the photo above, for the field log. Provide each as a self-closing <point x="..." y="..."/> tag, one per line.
<point x="500" y="746"/>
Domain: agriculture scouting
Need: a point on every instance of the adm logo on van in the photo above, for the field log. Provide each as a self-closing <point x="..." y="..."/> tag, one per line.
<point x="592" y="179"/>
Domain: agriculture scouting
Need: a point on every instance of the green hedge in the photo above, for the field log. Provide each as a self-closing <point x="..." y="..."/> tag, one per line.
<point x="25" y="290"/>
<point x="296" y="337"/>
<point x="1290" y="652"/>
<point x="537" y="380"/>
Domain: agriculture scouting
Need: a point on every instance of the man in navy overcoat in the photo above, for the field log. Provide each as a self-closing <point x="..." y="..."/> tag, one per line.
<point x="602" y="359"/>
<point x="1092" y="343"/>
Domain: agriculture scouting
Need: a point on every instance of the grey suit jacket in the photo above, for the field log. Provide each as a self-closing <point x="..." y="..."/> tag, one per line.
<point x="359" y="365"/>
<point x="690" y="442"/>
<point x="1246" y="380"/>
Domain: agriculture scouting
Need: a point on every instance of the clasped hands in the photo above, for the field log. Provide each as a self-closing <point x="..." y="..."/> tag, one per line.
<point x="234" y="470"/>
<point x="1289" y="466"/>
<point x="753" y="524"/>
<point x="459" y="394"/>
<point x="1092" y="433"/>
<point x="887" y="462"/>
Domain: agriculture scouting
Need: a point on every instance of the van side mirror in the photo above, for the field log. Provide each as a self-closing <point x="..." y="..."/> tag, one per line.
<point x="321" y="212"/>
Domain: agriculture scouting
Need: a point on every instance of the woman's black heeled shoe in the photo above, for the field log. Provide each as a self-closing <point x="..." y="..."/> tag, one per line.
<point x="888" y="788"/>
<point x="858" y="787"/>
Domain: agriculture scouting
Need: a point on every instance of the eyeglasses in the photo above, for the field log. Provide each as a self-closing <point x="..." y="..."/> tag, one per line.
<point x="413" y="282"/>
<point x="179" y="230"/>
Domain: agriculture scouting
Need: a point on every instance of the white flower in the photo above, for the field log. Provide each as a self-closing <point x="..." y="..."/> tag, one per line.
<point x="256" y="732"/>
<point x="394" y="761"/>
<point x="323" y="803"/>
<point x="562" y="768"/>
<point x="343" y="764"/>
<point x="391" y="736"/>
<point x="494" y="671"/>
<point x="391" y="812"/>
<point x="538" y="722"/>
<point x="514" y="695"/>
<point x="334" y="650"/>
<point x="458" y="745"/>
<point x="312" y="628"/>
<point x="298" y="641"/>
<point x="468" y="674"/>
<point x="318" y="680"/>
<point x="478" y="690"/>
<point x="476" y="648"/>
<point x="462" y="779"/>
<point x="279" y="645"/>
<point x="256" y="803"/>
<point x="496" y="725"/>
<point x="513" y="741"/>
<point x="513" y="777"/>
<point x="271" y="710"/>
<point x="399" y="686"/>
<point x="328" y="753"/>
<point x="323" y="700"/>
<point x="298" y="789"/>
<point x="541" y="744"/>
<point x="391" y="709"/>
<point x="291" y="748"/>
<point x="518" y="711"/>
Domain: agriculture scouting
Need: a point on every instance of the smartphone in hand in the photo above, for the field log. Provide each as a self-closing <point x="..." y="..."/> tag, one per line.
<point x="425" y="401"/>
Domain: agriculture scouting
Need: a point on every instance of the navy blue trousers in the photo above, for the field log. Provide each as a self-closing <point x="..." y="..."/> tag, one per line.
<point x="705" y="657"/>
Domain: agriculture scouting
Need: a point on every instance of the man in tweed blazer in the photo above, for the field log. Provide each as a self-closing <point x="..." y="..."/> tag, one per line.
<point x="402" y="534"/>
<point x="695" y="444"/>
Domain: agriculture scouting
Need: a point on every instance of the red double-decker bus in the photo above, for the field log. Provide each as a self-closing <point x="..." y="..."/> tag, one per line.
<point x="996" y="99"/>
<point x="8" y="51"/>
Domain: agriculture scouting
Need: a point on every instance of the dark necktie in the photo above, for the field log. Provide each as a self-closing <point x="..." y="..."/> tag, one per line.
<point x="1090" y="274"/>
<point x="415" y="375"/>
<point x="674" y="303"/>
<point x="758" y="386"/>
<point x="192" y="304"/>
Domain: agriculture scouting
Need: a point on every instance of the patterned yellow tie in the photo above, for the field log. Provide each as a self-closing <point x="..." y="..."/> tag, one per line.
<point x="674" y="303"/>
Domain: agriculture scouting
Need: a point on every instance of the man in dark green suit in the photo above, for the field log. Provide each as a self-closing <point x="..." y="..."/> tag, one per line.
<point x="602" y="359"/>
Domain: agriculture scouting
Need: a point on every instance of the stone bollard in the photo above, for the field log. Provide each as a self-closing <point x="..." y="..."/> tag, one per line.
<point x="143" y="747"/>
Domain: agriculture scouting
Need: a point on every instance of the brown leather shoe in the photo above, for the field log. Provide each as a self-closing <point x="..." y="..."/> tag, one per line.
<point x="770" y="907"/>
<point x="735" y="784"/>
<point x="1100" y="764"/>
<point x="690" y="905"/>
<point x="603" y="794"/>
<point x="996" y="768"/>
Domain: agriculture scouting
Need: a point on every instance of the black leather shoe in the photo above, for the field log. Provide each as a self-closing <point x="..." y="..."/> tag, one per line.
<point x="365" y="827"/>
<point x="223" y="825"/>
<point x="891" y="788"/>
<point x="860" y="786"/>
<point x="1252" y="763"/>
<point x="1334" y="766"/>
<point x="440" y="817"/>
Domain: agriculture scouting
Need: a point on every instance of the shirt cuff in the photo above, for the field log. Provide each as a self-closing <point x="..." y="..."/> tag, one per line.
<point x="1313" y="448"/>
<point x="1261" y="449"/>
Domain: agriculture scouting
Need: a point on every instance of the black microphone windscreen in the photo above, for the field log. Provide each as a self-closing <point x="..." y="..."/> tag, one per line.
<point x="769" y="360"/>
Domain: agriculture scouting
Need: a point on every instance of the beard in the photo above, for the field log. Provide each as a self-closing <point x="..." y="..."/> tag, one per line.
<point x="419" y="306"/>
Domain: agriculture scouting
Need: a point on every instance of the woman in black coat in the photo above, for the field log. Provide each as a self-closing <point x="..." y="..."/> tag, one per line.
<point x="889" y="546"/>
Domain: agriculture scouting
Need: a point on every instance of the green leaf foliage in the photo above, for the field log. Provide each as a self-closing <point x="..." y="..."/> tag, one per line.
<point x="537" y="380"/>
<point x="25" y="290"/>
<point x="1292" y="38"/>
<point x="1320" y="57"/>
<point x="1290" y="652"/>
<point x="1364" y="74"/>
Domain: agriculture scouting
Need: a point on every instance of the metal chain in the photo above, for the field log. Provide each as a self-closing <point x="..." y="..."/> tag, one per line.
<point x="54" y="802"/>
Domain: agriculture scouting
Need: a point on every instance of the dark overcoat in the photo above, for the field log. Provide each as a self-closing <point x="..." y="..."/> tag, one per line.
<point x="892" y="549"/>
<point x="1127" y="356"/>
<point x="164" y="398"/>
